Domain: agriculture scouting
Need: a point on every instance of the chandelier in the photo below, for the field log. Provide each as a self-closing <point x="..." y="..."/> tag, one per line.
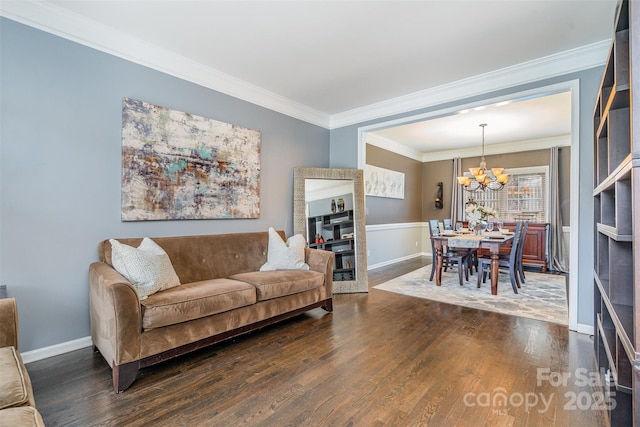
<point x="481" y="178"/>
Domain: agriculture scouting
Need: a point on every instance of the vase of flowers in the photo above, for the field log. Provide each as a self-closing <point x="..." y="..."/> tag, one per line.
<point x="477" y="214"/>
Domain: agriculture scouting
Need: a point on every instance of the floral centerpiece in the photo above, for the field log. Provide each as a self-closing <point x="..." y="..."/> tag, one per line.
<point x="476" y="214"/>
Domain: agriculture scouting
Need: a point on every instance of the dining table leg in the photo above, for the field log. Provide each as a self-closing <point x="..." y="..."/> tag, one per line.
<point x="494" y="273"/>
<point x="438" y="264"/>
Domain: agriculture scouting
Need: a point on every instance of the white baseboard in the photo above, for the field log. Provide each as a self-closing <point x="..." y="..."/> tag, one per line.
<point x="56" y="350"/>
<point x="393" y="261"/>
<point x="66" y="347"/>
<point x="584" y="329"/>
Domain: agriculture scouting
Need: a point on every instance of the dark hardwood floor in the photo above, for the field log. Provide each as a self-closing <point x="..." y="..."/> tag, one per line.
<point x="380" y="359"/>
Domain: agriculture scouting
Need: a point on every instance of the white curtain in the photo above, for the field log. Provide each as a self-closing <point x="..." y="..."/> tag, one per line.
<point x="558" y="253"/>
<point x="456" y="192"/>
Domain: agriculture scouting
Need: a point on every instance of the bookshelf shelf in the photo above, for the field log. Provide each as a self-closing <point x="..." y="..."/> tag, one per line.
<point x="616" y="204"/>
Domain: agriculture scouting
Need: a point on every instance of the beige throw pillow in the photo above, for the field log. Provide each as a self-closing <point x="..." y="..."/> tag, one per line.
<point x="283" y="255"/>
<point x="147" y="267"/>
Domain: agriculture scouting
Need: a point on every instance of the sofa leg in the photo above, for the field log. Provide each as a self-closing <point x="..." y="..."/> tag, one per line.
<point x="124" y="375"/>
<point x="328" y="305"/>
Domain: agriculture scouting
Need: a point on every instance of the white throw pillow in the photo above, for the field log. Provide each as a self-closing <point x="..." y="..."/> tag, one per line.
<point x="283" y="255"/>
<point x="147" y="267"/>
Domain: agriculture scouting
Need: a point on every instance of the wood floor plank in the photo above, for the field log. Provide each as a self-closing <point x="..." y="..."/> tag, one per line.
<point x="380" y="359"/>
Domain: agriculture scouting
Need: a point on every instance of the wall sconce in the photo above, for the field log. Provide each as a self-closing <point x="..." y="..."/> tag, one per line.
<point x="439" y="203"/>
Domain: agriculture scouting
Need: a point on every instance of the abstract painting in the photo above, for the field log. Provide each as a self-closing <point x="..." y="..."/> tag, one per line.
<point x="382" y="182"/>
<point x="177" y="165"/>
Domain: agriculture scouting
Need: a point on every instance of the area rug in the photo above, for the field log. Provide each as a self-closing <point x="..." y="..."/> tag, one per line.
<point x="542" y="297"/>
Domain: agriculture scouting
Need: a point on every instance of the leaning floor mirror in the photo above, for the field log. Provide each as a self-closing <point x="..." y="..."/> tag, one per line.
<point x="328" y="209"/>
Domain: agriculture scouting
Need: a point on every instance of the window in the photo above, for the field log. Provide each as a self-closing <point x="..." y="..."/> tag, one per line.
<point x="526" y="196"/>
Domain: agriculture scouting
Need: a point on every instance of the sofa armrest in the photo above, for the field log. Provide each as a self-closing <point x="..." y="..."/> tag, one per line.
<point x="116" y="317"/>
<point x="322" y="261"/>
<point x="8" y="323"/>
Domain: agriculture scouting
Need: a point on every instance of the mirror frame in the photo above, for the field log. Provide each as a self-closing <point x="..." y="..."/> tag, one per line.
<point x="361" y="284"/>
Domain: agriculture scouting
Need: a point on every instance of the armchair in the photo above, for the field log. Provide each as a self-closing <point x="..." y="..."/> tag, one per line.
<point x="17" y="405"/>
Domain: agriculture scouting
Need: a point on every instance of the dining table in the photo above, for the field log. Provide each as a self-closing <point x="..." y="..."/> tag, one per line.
<point x="490" y="241"/>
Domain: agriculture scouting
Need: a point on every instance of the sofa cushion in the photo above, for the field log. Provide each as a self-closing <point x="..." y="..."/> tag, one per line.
<point x="195" y="300"/>
<point x="283" y="255"/>
<point x="15" y="387"/>
<point x="147" y="267"/>
<point x="274" y="284"/>
<point x="21" y="416"/>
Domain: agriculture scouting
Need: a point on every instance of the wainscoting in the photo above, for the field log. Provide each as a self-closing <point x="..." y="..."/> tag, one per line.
<point x="391" y="243"/>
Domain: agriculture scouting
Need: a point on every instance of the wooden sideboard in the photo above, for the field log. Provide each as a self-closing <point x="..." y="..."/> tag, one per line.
<point x="535" y="252"/>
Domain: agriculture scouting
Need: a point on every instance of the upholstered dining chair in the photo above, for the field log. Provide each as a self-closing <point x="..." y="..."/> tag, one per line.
<point x="447" y="224"/>
<point x="510" y="265"/>
<point x="449" y="258"/>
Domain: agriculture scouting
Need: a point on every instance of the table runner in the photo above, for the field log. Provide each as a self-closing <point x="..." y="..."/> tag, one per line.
<point x="464" y="241"/>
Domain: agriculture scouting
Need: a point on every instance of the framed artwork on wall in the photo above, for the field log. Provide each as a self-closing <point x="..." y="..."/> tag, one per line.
<point x="177" y="165"/>
<point x="380" y="182"/>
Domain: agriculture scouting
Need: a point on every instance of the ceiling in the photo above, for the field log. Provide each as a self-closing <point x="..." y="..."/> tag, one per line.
<point x="512" y="125"/>
<point x="332" y="58"/>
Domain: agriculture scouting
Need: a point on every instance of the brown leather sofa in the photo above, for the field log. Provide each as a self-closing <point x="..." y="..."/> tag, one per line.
<point x="222" y="294"/>
<point x="17" y="405"/>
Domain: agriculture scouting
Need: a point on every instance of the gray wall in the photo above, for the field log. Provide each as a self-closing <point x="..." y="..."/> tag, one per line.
<point x="60" y="142"/>
<point x="60" y="169"/>
<point x="344" y="146"/>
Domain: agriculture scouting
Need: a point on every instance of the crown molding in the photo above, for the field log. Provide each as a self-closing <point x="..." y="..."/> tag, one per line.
<point x="566" y="62"/>
<point x="492" y="149"/>
<point x="495" y="149"/>
<point x="71" y="26"/>
<point x="393" y="146"/>
<point x="58" y="21"/>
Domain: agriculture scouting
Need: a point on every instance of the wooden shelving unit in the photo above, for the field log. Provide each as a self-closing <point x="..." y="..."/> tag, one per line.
<point x="337" y="232"/>
<point x="617" y="221"/>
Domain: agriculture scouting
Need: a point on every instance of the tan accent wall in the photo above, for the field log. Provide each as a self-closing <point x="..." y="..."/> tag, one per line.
<point x="420" y="194"/>
<point x="511" y="160"/>
<point x="381" y="210"/>
<point x="432" y="173"/>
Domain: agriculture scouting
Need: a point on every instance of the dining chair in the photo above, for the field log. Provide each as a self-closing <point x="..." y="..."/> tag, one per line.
<point x="510" y="265"/>
<point x="436" y="226"/>
<point x="472" y="254"/>
<point x="523" y="236"/>
<point x="449" y="258"/>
